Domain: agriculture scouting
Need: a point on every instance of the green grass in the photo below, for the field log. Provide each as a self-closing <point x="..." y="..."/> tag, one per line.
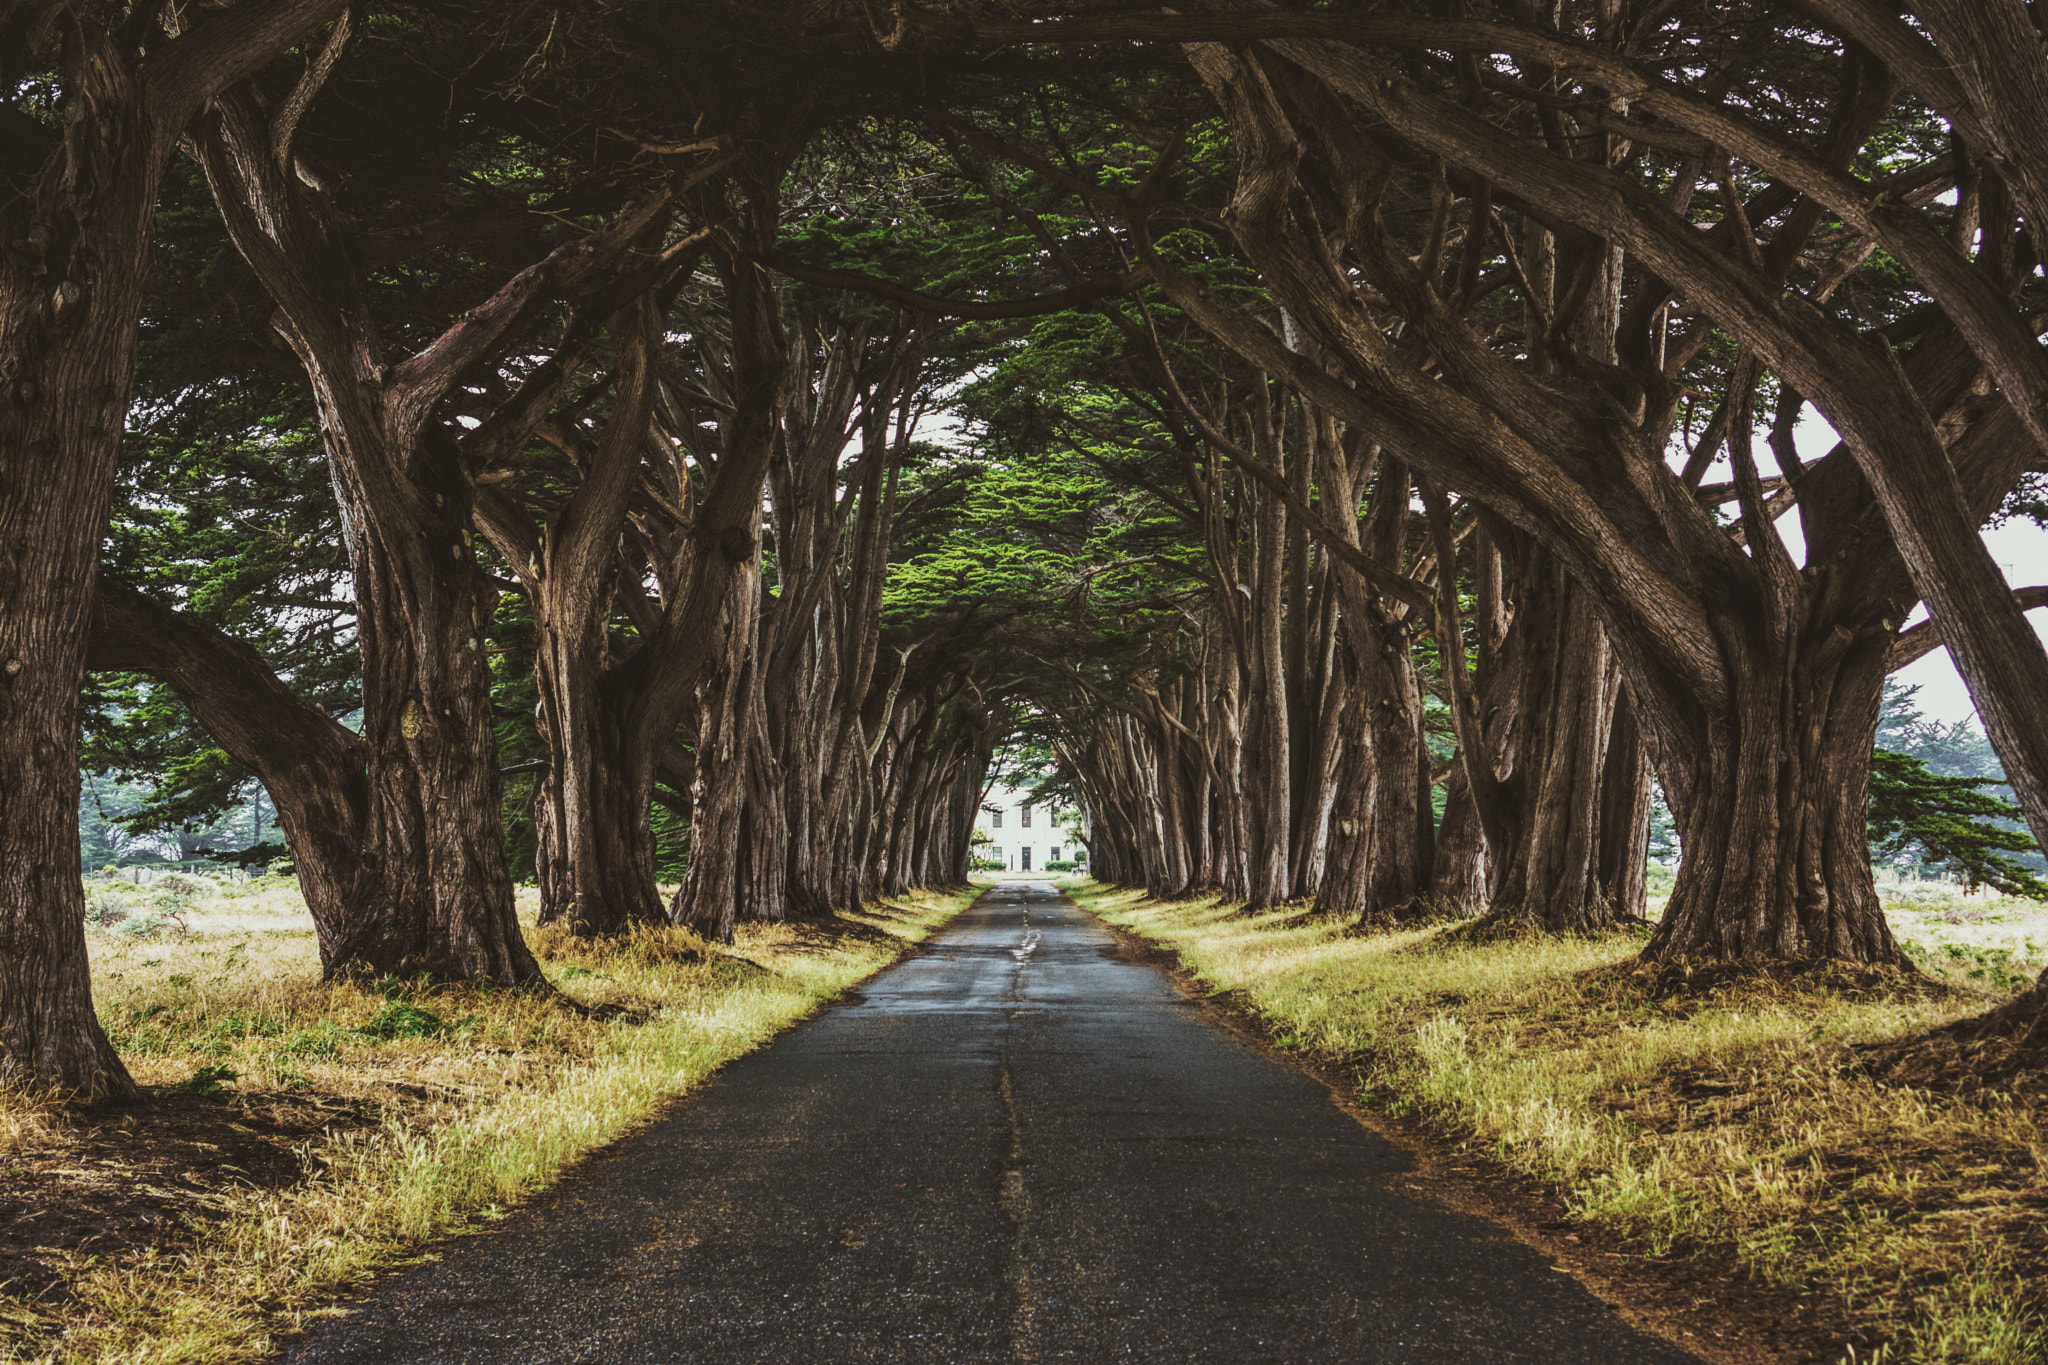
<point x="486" y="1096"/>
<point x="1732" y="1117"/>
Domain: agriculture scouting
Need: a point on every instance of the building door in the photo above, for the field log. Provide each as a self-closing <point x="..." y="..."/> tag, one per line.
<point x="1025" y="865"/>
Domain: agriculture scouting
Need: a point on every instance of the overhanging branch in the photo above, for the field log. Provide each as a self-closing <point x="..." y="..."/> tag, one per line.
<point x="974" y="310"/>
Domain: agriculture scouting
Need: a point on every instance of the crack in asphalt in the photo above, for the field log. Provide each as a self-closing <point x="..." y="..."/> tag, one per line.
<point x="1012" y="1194"/>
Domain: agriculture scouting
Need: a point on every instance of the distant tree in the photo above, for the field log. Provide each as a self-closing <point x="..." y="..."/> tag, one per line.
<point x="1952" y="748"/>
<point x="105" y="807"/>
<point x="1953" y="797"/>
<point x="1920" y="814"/>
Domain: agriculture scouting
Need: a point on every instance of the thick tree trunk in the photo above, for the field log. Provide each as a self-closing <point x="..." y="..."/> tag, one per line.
<point x="709" y="900"/>
<point x="1547" y="869"/>
<point x="1348" y="863"/>
<point x="1206" y="872"/>
<point x="594" y="854"/>
<point x="1777" y="859"/>
<point x="1381" y="842"/>
<point x="435" y="896"/>
<point x="71" y="274"/>
<point x="1270" y="814"/>
<point x="1458" y="870"/>
<point x="1381" y="836"/>
<point x="76" y="208"/>
<point x="764" y="836"/>
<point x="824" y="635"/>
<point x="1625" y="812"/>
<point x="1316" y="785"/>
<point x="1396" y="829"/>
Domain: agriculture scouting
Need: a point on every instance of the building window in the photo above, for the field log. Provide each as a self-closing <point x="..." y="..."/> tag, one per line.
<point x="995" y="819"/>
<point x="1025" y="811"/>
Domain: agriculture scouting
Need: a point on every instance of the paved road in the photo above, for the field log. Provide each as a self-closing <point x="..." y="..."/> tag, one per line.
<point x="1013" y="1146"/>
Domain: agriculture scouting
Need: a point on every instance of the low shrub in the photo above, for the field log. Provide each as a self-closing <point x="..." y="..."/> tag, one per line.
<point x="403" y="1019"/>
<point x="106" y="905"/>
<point x="182" y="890"/>
<point x="210" y="1082"/>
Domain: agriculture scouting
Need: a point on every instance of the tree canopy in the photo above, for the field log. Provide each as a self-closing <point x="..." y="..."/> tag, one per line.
<point x="1363" y="455"/>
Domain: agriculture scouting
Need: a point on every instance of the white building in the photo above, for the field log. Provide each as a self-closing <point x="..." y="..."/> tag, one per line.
<point x="1024" y="837"/>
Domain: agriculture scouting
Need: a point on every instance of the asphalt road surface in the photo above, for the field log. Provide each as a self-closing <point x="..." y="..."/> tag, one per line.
<point x="1012" y="1146"/>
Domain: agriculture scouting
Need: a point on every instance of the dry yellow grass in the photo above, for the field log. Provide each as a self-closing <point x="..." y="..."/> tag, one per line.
<point x="477" y="1098"/>
<point x="1735" y="1117"/>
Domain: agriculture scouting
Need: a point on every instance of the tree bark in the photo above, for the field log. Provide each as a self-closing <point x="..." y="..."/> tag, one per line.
<point x="1625" y="812"/>
<point x="76" y="210"/>
<point x="710" y="898"/>
<point x="1547" y="868"/>
<point x="435" y="895"/>
<point x="594" y="854"/>
<point x="1391" y="821"/>
<point x="1458" y="873"/>
<point x="1270" y="812"/>
<point x="1774" y="827"/>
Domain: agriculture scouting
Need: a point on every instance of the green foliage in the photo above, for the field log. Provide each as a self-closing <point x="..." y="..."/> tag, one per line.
<point x="1952" y="749"/>
<point x="181" y="890"/>
<point x="210" y="1082"/>
<point x="403" y="1019"/>
<point x="1946" y="821"/>
<point x="671" y="844"/>
<point x="1992" y="967"/>
<point x="106" y="904"/>
<point x="320" y="1043"/>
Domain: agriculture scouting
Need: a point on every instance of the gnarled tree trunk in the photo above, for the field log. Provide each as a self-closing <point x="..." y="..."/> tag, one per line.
<point x="434" y="895"/>
<point x="1547" y="867"/>
<point x="710" y="898"/>
<point x="76" y="208"/>
<point x="1773" y="820"/>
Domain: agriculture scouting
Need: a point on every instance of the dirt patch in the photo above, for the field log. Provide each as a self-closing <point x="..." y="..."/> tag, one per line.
<point x="1688" y="987"/>
<point x="1700" y="1297"/>
<point x="117" y="1181"/>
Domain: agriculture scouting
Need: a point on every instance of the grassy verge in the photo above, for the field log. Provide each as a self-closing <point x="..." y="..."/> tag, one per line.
<point x="1733" y="1117"/>
<point x="357" y="1123"/>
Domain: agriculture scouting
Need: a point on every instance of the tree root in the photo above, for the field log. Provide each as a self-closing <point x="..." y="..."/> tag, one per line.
<point x="1420" y="913"/>
<point x="1700" y="979"/>
<point x="2006" y="1048"/>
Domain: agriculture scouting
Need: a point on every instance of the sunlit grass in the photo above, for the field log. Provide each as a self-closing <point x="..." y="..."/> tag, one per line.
<point x="486" y="1096"/>
<point x="1735" y="1117"/>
